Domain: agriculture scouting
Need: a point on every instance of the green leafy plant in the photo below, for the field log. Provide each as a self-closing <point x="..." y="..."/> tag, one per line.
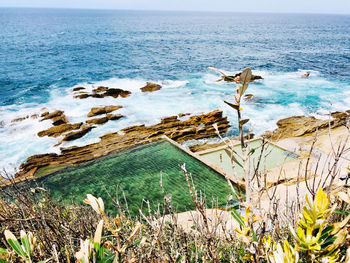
<point x="320" y="240"/>
<point x="104" y="252"/>
<point x="24" y="249"/>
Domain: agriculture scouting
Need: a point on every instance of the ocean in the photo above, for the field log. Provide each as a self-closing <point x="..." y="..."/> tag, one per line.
<point x="45" y="53"/>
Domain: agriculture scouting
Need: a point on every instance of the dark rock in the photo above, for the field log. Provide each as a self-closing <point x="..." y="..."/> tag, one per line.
<point x="150" y="87"/>
<point x="101" y="92"/>
<point x="117" y="92"/>
<point x="78" y="88"/>
<point x="100" y="89"/>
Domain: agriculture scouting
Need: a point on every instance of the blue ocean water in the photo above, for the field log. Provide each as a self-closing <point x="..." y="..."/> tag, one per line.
<point x="44" y="53"/>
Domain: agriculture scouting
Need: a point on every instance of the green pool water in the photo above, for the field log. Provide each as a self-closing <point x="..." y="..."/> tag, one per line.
<point x="272" y="156"/>
<point x="137" y="172"/>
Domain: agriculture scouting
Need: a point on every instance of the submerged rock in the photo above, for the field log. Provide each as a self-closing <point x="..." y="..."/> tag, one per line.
<point x="150" y="87"/>
<point x="196" y="127"/>
<point x="20" y="119"/>
<point x="102" y="110"/>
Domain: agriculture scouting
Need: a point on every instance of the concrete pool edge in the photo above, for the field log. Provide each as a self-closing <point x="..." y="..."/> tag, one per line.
<point x="240" y="183"/>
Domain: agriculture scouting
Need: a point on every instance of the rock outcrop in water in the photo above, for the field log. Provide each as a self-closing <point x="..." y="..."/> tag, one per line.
<point x="78" y="134"/>
<point x="150" y="87"/>
<point x="102" y="110"/>
<point x="102" y="92"/>
<point x="301" y="125"/>
<point x="77" y="130"/>
<point x="56" y="131"/>
<point x="195" y="127"/>
<point x="58" y="117"/>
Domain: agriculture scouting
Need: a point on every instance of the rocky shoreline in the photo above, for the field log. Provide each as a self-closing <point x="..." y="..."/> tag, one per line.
<point x="179" y="128"/>
<point x="194" y="127"/>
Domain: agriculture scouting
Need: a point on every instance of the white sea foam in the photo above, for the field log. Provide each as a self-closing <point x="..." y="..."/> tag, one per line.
<point x="278" y="96"/>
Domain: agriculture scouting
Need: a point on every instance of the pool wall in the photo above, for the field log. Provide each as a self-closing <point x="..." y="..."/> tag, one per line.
<point x="225" y="166"/>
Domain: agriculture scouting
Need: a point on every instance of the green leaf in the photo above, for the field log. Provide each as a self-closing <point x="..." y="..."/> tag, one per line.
<point x="96" y="246"/>
<point x="326" y="232"/>
<point x="44" y="261"/>
<point x="255" y="239"/>
<point x="17" y="247"/>
<point x="3" y="261"/>
<point x="101" y="252"/>
<point x="235" y="106"/>
<point x="26" y="245"/>
<point x="342" y="212"/>
<point x="178" y="259"/>
<point x="237" y="217"/>
<point x="135" y="243"/>
<point x="3" y="251"/>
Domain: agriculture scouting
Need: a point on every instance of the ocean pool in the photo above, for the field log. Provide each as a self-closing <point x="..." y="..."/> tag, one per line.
<point x="137" y="172"/>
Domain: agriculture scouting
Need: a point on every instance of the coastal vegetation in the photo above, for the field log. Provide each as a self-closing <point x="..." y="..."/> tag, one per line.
<point x="34" y="228"/>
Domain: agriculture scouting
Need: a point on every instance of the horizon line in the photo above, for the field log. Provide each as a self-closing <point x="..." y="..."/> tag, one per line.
<point x="167" y="10"/>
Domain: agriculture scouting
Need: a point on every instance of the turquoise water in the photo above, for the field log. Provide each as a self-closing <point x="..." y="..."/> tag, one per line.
<point x="44" y="53"/>
<point x="270" y="156"/>
<point x="137" y="172"/>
